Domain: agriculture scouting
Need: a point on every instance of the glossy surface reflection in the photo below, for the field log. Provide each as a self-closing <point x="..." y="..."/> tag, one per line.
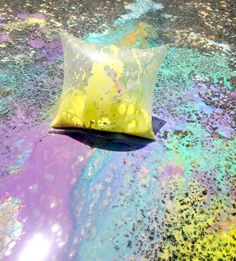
<point x="89" y="197"/>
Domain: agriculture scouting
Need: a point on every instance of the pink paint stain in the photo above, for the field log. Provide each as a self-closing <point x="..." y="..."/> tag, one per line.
<point x="24" y="16"/>
<point x="51" y="52"/>
<point x="36" y="43"/>
<point x="232" y="95"/>
<point x="172" y="170"/>
<point x="5" y="38"/>
<point x="44" y="186"/>
<point x="2" y="19"/>
<point x="168" y="172"/>
<point x="167" y="175"/>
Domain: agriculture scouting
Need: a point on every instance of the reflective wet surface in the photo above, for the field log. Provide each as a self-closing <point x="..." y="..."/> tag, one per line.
<point x="63" y="197"/>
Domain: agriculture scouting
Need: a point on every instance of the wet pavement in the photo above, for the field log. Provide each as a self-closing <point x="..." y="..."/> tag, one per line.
<point x="174" y="199"/>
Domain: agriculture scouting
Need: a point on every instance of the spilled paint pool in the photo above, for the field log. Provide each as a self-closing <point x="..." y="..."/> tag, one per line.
<point x="173" y="199"/>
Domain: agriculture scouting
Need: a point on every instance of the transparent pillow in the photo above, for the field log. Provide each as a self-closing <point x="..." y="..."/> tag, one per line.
<point x="108" y="88"/>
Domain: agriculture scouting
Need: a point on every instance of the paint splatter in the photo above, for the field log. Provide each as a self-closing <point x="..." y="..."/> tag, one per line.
<point x="41" y="167"/>
<point x="186" y="174"/>
<point x="173" y="199"/>
<point x="137" y="9"/>
<point x="10" y="224"/>
<point x="133" y="35"/>
<point x="24" y="16"/>
<point x="30" y="21"/>
<point x="36" y="43"/>
<point x="5" y="38"/>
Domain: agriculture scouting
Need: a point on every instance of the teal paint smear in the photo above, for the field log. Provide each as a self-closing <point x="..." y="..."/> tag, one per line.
<point x="111" y="35"/>
<point x="183" y="64"/>
<point x="116" y="34"/>
<point x="197" y="152"/>
<point x="178" y="93"/>
<point x="137" y="202"/>
<point x="121" y="180"/>
<point x="106" y="166"/>
<point x="138" y="9"/>
<point x="3" y="108"/>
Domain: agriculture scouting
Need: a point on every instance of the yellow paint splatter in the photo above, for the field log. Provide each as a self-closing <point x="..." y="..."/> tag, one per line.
<point x="30" y="21"/>
<point x="190" y="234"/>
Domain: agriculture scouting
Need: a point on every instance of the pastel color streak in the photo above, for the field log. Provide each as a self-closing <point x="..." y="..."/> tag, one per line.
<point x="43" y="185"/>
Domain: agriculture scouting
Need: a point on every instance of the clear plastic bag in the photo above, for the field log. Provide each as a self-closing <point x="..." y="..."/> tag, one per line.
<point x="108" y="88"/>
